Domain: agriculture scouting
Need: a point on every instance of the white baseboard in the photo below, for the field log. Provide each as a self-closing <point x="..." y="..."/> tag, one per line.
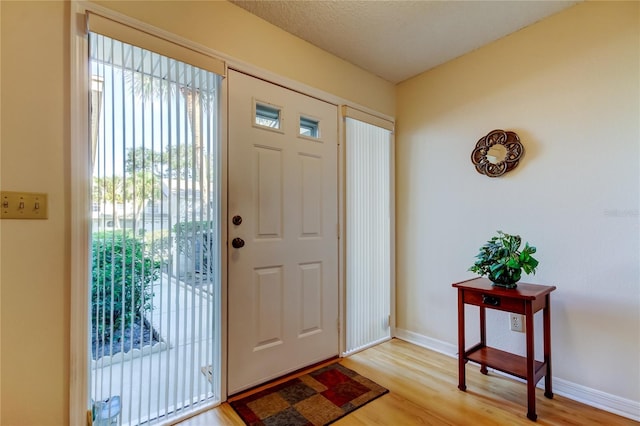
<point x="593" y="397"/>
<point x="426" y="342"/>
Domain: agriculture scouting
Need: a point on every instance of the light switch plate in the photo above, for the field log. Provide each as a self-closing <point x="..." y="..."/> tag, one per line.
<point x="23" y="205"/>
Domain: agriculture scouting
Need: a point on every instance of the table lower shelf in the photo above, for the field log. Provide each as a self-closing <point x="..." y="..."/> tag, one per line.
<point x="506" y="362"/>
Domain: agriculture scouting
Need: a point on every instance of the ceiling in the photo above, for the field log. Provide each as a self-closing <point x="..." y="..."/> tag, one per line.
<point x="398" y="39"/>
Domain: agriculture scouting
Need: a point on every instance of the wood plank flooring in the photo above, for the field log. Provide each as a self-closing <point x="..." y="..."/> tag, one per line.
<point x="423" y="391"/>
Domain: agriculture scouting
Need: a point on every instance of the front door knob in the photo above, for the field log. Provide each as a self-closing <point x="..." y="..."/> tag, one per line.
<point x="237" y="243"/>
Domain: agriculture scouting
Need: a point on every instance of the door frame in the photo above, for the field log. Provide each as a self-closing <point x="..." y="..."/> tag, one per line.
<point x="79" y="367"/>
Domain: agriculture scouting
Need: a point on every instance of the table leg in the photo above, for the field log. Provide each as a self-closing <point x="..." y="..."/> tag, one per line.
<point x="461" y="344"/>
<point x="483" y="336"/>
<point x="546" y="316"/>
<point x="531" y="386"/>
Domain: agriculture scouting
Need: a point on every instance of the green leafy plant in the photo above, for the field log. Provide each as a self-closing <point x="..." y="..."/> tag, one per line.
<point x="501" y="260"/>
<point x="122" y="277"/>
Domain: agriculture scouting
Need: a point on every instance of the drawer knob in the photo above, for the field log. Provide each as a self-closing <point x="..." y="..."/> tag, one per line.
<point x="490" y="300"/>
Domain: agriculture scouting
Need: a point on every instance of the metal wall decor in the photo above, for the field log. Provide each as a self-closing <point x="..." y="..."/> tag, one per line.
<point x="497" y="153"/>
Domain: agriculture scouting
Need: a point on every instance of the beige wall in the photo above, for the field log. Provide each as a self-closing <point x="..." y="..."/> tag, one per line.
<point x="35" y="152"/>
<point x="232" y="31"/>
<point x="569" y="86"/>
<point x="34" y="261"/>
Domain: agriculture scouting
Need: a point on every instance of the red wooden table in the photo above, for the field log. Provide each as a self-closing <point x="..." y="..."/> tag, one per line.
<point x="525" y="299"/>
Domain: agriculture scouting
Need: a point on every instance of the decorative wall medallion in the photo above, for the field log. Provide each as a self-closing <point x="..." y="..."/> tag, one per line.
<point x="497" y="153"/>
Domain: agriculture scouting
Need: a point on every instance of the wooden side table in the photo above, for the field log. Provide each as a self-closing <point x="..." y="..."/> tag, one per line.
<point x="526" y="299"/>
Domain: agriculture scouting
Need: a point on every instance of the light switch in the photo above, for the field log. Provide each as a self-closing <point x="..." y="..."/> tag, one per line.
<point x="23" y="205"/>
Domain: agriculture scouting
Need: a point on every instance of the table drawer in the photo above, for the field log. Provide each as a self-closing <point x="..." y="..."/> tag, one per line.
<point x="494" y="302"/>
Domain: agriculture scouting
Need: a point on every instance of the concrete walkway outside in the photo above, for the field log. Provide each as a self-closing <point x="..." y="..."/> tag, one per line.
<point x="173" y="374"/>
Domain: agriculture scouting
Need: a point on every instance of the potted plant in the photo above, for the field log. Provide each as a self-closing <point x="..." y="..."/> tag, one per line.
<point x="502" y="262"/>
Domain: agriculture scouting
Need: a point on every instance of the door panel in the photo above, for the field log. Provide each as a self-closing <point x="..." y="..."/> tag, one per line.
<point x="269" y="208"/>
<point x="283" y="283"/>
<point x="269" y="286"/>
<point x="311" y="197"/>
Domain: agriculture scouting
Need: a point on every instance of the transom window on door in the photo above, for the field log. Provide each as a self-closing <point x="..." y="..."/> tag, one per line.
<point x="267" y="115"/>
<point x="309" y="127"/>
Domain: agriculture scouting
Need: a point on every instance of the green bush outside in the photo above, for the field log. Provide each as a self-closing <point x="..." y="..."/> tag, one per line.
<point x="122" y="276"/>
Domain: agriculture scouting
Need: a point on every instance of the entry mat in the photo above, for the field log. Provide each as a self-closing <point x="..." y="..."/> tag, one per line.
<point x="318" y="398"/>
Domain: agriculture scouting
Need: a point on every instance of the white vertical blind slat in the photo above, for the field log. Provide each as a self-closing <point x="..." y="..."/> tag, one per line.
<point x="131" y="198"/>
<point x="122" y="278"/>
<point x="172" y="212"/>
<point x="141" y="205"/>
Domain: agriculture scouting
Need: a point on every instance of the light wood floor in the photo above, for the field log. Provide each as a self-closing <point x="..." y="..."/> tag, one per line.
<point x="423" y="391"/>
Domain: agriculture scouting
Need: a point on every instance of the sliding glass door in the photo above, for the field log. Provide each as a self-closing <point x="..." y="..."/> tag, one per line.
<point x="155" y="240"/>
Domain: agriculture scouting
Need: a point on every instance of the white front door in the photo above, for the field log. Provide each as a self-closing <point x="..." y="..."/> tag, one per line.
<point x="283" y="252"/>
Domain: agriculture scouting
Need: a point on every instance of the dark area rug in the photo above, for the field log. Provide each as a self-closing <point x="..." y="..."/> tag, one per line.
<point x="317" y="398"/>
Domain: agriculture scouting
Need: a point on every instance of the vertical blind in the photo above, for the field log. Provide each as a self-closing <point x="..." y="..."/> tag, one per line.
<point x="368" y="234"/>
<point x="155" y="285"/>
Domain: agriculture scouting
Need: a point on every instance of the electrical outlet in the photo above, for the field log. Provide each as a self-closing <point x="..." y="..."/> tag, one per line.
<point x="516" y="322"/>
